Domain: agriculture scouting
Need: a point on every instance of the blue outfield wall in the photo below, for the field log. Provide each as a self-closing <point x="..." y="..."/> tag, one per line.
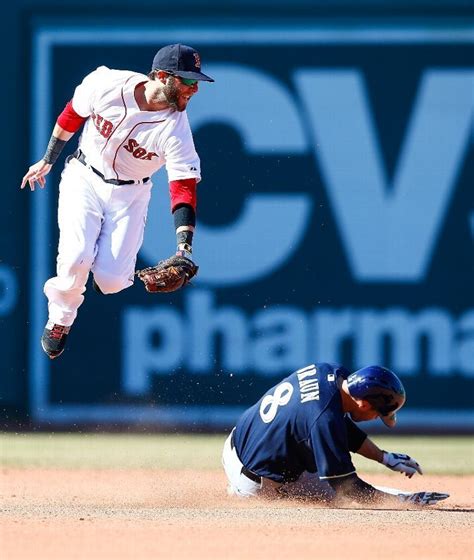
<point x="335" y="223"/>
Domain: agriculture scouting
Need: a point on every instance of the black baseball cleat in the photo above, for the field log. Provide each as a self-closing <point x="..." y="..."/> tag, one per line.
<point x="54" y="338"/>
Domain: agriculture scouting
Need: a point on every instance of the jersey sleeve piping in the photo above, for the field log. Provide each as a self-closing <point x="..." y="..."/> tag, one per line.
<point x="337" y="475"/>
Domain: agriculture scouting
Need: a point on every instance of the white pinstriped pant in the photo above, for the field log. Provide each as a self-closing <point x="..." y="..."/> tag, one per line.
<point x="101" y="230"/>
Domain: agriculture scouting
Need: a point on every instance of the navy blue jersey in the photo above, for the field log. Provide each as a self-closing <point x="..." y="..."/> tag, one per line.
<point x="297" y="426"/>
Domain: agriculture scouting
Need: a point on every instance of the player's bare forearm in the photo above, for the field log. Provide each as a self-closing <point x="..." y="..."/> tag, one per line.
<point x="62" y="134"/>
<point x="394" y="461"/>
<point x="355" y="489"/>
<point x="370" y="450"/>
<point x="38" y="171"/>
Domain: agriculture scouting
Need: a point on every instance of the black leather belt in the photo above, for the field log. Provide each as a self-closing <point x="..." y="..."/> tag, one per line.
<point x="244" y="470"/>
<point x="82" y="158"/>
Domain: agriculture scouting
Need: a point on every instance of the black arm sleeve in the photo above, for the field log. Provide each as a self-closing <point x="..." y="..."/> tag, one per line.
<point x="55" y="147"/>
<point x="184" y="215"/>
<point x="355" y="436"/>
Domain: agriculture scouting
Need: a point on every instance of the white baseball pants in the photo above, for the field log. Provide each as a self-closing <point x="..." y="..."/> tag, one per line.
<point x="101" y="229"/>
<point x="308" y="484"/>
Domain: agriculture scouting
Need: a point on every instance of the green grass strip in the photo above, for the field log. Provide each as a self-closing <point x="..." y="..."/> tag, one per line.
<point x="437" y="455"/>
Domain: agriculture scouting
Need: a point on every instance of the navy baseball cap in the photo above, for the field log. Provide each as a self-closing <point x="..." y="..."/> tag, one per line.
<point x="180" y="60"/>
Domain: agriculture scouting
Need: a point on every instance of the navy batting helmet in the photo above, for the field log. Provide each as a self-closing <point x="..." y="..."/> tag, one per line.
<point x="381" y="388"/>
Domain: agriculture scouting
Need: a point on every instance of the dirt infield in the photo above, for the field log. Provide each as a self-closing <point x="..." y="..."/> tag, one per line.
<point x="98" y="514"/>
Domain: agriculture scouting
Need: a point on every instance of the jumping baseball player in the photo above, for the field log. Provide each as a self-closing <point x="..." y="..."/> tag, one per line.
<point x="296" y="440"/>
<point x="133" y="125"/>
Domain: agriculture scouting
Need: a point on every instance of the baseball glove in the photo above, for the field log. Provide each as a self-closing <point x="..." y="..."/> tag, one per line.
<point x="168" y="275"/>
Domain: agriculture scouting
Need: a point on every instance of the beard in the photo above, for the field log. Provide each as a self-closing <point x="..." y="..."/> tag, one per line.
<point x="173" y="96"/>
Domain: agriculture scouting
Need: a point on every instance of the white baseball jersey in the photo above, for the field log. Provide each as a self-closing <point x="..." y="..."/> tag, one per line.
<point x="123" y="142"/>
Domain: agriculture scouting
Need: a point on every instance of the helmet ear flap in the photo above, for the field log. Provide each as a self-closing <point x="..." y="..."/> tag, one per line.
<point x="381" y="388"/>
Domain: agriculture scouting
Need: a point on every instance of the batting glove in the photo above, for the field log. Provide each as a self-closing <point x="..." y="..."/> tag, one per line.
<point x="401" y="463"/>
<point x="422" y="498"/>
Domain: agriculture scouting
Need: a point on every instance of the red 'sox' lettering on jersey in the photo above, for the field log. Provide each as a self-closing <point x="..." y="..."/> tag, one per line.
<point x="137" y="151"/>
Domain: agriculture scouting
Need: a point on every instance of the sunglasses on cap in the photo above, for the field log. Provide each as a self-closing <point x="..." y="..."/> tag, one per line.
<point x="185" y="81"/>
